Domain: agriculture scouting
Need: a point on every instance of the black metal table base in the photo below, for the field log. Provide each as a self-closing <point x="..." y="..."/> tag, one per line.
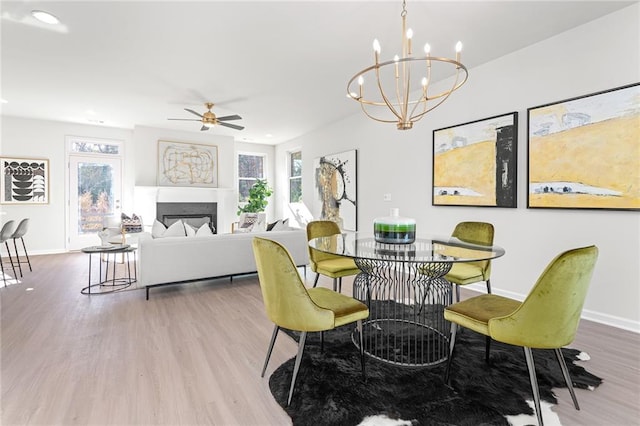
<point x="406" y="301"/>
<point x="108" y="285"/>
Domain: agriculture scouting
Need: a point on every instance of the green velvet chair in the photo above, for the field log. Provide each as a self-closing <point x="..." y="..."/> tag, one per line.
<point x="464" y="273"/>
<point x="327" y="264"/>
<point x="289" y="304"/>
<point x="547" y="319"/>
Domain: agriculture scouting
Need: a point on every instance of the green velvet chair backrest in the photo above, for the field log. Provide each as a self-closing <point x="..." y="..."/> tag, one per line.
<point x="549" y="316"/>
<point x="476" y="233"/>
<point x="316" y="229"/>
<point x="285" y="297"/>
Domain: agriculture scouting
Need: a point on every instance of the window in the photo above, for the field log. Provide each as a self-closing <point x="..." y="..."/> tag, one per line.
<point x="295" y="177"/>
<point x="250" y="168"/>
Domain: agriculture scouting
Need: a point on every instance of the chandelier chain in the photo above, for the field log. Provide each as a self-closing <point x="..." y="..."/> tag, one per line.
<point x="404" y="8"/>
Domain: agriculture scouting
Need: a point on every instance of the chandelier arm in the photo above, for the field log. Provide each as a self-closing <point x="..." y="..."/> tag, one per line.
<point x="384" y="96"/>
<point x="444" y="96"/>
<point x="372" y="117"/>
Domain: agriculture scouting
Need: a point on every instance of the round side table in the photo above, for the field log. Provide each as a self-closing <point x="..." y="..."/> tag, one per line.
<point x="107" y="254"/>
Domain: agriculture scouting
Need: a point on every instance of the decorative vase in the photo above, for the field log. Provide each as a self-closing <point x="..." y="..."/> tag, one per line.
<point x="104" y="237"/>
<point x="394" y="229"/>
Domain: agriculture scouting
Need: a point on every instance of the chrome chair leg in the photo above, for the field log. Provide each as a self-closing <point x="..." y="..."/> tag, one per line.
<point x="567" y="377"/>
<point x="296" y="367"/>
<point x="534" y="383"/>
<point x="273" y="341"/>
<point x="489" y="286"/>
<point x="452" y="343"/>
<point x="315" y="282"/>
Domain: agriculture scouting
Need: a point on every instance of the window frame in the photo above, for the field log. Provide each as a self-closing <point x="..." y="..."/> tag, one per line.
<point x="247" y="178"/>
<point x="291" y="177"/>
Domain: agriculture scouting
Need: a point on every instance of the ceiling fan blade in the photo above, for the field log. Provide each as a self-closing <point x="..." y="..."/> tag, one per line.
<point x="193" y="112"/>
<point x="203" y="128"/>
<point x="184" y="119"/>
<point x="233" y="126"/>
<point x="229" y="117"/>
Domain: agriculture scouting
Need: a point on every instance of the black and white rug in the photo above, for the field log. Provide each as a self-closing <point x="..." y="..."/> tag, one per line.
<point x="330" y="389"/>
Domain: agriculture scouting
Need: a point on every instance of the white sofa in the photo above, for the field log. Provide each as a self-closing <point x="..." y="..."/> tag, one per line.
<point x="173" y="260"/>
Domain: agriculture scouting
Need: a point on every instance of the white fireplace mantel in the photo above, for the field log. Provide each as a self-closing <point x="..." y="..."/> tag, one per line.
<point x="146" y="197"/>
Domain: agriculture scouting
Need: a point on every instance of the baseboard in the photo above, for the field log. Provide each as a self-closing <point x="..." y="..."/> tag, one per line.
<point x="587" y="314"/>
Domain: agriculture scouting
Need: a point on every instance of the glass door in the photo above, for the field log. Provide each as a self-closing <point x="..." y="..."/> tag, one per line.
<point x="94" y="198"/>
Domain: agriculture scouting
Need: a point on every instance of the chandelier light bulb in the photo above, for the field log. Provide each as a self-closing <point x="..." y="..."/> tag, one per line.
<point x="424" y="81"/>
<point x="459" y="47"/>
<point x="376" y="46"/>
<point x="360" y="80"/>
<point x="427" y="49"/>
<point x="409" y="33"/>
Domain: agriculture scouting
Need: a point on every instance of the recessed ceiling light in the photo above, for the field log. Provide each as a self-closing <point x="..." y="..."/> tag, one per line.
<point x="45" y="17"/>
<point x="269" y="135"/>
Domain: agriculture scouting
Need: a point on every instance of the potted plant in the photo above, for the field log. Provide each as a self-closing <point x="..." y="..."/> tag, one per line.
<point x="258" y="195"/>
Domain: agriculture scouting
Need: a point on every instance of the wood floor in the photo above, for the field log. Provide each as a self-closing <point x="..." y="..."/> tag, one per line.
<point x="192" y="355"/>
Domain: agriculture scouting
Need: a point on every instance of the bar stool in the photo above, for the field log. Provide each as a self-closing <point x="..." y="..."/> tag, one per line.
<point x="5" y="235"/>
<point x="20" y="231"/>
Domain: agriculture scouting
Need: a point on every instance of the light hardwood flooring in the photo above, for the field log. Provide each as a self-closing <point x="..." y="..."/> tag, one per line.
<point x="192" y="355"/>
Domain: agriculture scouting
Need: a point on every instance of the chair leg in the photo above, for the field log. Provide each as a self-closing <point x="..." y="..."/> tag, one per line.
<point x="13" y="267"/>
<point x="273" y="341"/>
<point x="534" y="383"/>
<point x="457" y="292"/>
<point x="360" y="331"/>
<point x="315" y="282"/>
<point x="340" y="285"/>
<point x="25" y="253"/>
<point x="296" y="367"/>
<point x="335" y="284"/>
<point x="452" y="343"/>
<point x="17" y="257"/>
<point x="321" y="341"/>
<point x="489" y="286"/>
<point x="567" y="377"/>
<point x="4" y="277"/>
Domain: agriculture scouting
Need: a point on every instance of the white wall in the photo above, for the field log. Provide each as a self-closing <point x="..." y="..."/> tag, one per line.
<point x="46" y="139"/>
<point x="599" y="55"/>
<point x="22" y="137"/>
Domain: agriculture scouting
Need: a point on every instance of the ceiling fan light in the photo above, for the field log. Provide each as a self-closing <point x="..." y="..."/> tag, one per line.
<point x="45" y="17"/>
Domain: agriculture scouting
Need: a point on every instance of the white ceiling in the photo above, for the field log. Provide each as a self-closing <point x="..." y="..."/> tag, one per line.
<point x="282" y="66"/>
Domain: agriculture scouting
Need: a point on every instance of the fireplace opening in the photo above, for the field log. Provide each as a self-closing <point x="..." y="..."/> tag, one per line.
<point x="195" y="214"/>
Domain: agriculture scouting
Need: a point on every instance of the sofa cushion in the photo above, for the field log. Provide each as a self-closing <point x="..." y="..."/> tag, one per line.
<point x="204" y="230"/>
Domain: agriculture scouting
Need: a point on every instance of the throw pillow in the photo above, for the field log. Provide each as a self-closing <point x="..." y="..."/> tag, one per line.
<point x="160" y="231"/>
<point x="189" y="230"/>
<point x="271" y="225"/>
<point x="131" y="224"/>
<point x="204" y="230"/>
<point x="281" y="225"/>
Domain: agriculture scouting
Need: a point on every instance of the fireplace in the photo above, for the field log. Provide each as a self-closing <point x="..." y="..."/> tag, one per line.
<point x="194" y="213"/>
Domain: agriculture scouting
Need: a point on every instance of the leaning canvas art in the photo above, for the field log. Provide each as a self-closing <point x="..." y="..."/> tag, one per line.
<point x="584" y="152"/>
<point x="475" y="163"/>
<point x="336" y="190"/>
<point x="24" y="181"/>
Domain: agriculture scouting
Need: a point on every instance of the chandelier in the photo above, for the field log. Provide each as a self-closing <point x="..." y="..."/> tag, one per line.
<point x="400" y="89"/>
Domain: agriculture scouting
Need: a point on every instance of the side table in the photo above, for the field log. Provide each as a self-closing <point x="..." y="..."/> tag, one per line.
<point x="113" y="284"/>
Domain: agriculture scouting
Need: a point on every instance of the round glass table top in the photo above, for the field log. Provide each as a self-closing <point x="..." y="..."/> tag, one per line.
<point x="360" y="245"/>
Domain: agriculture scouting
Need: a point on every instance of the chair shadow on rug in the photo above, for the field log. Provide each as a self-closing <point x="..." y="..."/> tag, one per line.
<point x="331" y="390"/>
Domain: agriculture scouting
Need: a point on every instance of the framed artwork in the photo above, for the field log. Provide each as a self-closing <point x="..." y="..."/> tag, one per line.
<point x="187" y="164"/>
<point x="24" y="181"/>
<point x="475" y="163"/>
<point x="584" y="152"/>
<point x="336" y="189"/>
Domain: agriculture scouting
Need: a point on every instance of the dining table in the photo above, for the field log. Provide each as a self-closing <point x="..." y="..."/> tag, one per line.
<point x="405" y="288"/>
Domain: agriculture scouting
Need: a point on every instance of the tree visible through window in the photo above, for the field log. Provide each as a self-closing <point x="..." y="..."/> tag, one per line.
<point x="250" y="168"/>
<point x="295" y="177"/>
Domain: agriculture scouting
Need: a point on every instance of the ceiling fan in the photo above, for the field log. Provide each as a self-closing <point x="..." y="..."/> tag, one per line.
<point x="209" y="119"/>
